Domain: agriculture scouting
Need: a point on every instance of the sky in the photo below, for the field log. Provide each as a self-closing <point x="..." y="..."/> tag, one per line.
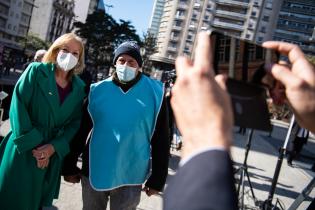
<point x="137" y="11"/>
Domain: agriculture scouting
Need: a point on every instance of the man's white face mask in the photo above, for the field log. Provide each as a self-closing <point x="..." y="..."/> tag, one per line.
<point x="125" y="73"/>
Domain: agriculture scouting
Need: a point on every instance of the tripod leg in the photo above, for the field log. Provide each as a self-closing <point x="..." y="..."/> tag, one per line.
<point x="243" y="188"/>
<point x="250" y="184"/>
<point x="240" y="181"/>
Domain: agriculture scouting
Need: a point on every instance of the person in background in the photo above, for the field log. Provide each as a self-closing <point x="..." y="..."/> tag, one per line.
<point x="39" y="55"/>
<point x="45" y="114"/>
<point x="298" y="138"/>
<point x="129" y="116"/>
<point x="37" y="58"/>
<point x="202" y="109"/>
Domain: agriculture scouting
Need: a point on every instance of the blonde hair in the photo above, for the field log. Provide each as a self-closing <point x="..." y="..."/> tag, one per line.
<point x="51" y="54"/>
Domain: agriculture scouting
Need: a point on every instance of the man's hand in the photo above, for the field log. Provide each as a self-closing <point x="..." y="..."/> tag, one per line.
<point x="299" y="82"/>
<point x="72" y="178"/>
<point x="201" y="105"/>
<point x="149" y="191"/>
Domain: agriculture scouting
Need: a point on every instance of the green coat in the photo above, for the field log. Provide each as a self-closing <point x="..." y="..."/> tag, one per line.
<point x="36" y="118"/>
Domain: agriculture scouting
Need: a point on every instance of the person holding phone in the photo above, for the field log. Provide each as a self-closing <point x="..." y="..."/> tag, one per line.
<point x="202" y="109"/>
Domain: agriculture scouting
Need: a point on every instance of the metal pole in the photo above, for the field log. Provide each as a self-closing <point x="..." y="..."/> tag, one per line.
<point x="232" y="58"/>
<point x="267" y="205"/>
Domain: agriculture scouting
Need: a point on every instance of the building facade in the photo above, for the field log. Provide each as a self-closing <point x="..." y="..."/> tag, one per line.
<point x="252" y="20"/>
<point x="81" y="8"/>
<point x="296" y="24"/>
<point x="52" y="18"/>
<point x="15" y="18"/>
<point x="157" y="13"/>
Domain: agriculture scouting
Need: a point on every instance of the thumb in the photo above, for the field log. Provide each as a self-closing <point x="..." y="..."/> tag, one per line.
<point x="221" y="80"/>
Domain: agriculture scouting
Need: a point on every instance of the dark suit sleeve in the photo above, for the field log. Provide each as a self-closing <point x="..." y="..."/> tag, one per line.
<point x="205" y="182"/>
<point x="78" y="144"/>
<point x="160" y="147"/>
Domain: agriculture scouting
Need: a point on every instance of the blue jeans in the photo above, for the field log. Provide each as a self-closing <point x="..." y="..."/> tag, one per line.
<point x="121" y="198"/>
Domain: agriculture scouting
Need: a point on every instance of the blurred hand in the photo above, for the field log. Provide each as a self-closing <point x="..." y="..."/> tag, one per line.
<point x="44" y="151"/>
<point x="201" y="105"/>
<point x="73" y="178"/>
<point x="299" y="82"/>
<point x="42" y="155"/>
<point x="149" y="191"/>
<point x="43" y="163"/>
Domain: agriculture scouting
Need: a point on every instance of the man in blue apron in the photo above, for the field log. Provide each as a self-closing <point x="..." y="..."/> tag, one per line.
<point x="130" y="125"/>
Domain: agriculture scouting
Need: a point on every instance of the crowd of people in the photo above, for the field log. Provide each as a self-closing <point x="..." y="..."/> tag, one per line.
<point x="121" y="124"/>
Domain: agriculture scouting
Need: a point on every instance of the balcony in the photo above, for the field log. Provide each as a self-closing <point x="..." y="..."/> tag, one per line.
<point x="233" y="3"/>
<point x="192" y="27"/>
<point x="182" y="6"/>
<point x="176" y="28"/>
<point x="297" y="19"/>
<point x="296" y="10"/>
<point x="233" y="15"/>
<point x="180" y="17"/>
<point x="307" y="2"/>
<point x="224" y="25"/>
<point x="172" y="49"/>
<point x="295" y="28"/>
<point x="197" y="5"/>
<point x="173" y="38"/>
<point x="4" y="14"/>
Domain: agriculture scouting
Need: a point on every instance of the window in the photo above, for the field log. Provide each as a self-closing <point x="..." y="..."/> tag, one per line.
<point x="263" y="29"/>
<point x="269" y="5"/>
<point x="266" y="18"/>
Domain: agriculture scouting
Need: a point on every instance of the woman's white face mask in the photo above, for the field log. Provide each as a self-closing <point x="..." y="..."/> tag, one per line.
<point x="66" y="61"/>
<point x="125" y="73"/>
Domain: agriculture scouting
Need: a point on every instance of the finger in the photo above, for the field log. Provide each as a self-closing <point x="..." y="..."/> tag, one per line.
<point x="284" y="75"/>
<point x="293" y="51"/>
<point x="221" y="80"/>
<point x="203" y="54"/>
<point x="46" y="163"/>
<point x="182" y="64"/>
<point x="41" y="147"/>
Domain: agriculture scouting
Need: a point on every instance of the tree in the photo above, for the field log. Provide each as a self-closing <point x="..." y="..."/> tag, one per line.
<point x="148" y="48"/>
<point x="33" y="43"/>
<point x="103" y="34"/>
<point x="311" y="59"/>
<point x="98" y="31"/>
<point x="126" y="31"/>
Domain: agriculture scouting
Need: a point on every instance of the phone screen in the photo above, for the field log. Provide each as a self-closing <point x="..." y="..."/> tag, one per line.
<point x="250" y="82"/>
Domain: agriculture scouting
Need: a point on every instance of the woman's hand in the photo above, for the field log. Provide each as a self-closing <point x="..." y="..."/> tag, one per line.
<point x="42" y="155"/>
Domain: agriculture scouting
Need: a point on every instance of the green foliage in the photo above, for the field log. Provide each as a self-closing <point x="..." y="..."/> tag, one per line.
<point x="103" y="34"/>
<point x="149" y="47"/>
<point x="311" y="59"/>
<point x="33" y="43"/>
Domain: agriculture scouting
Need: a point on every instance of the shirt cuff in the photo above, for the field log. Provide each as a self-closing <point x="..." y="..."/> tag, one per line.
<point x="185" y="160"/>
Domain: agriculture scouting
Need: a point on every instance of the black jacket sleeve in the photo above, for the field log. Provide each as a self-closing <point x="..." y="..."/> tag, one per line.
<point x="78" y="144"/>
<point x="160" y="147"/>
<point x="204" y="182"/>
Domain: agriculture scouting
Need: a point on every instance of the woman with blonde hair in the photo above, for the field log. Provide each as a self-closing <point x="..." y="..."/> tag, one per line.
<point x="45" y="114"/>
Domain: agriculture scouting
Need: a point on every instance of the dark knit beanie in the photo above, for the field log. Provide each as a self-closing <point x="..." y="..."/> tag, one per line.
<point x="130" y="48"/>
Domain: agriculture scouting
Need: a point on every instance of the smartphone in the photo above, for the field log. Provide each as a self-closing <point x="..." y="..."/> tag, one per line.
<point x="245" y="62"/>
<point x="249" y="105"/>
